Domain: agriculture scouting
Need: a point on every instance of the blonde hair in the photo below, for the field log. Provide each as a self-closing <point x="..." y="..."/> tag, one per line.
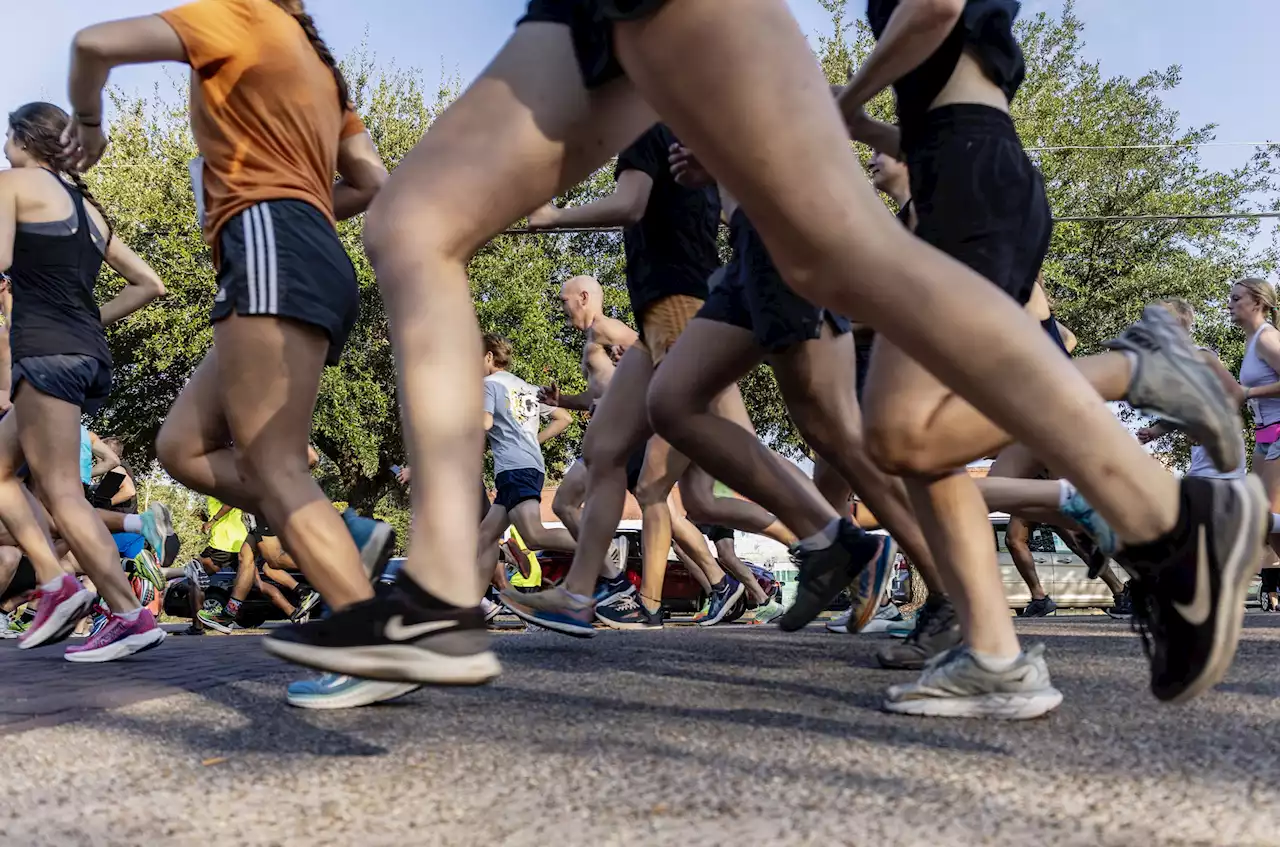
<point x="1180" y="309"/>
<point x="1263" y="292"/>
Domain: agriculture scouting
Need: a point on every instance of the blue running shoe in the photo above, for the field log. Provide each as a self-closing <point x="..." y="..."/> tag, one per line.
<point x="375" y="539"/>
<point x="335" y="691"/>
<point x="554" y="609"/>
<point x="157" y="526"/>
<point x="723" y="598"/>
<point x="609" y="591"/>
<point x="871" y="585"/>
<point x="1074" y="506"/>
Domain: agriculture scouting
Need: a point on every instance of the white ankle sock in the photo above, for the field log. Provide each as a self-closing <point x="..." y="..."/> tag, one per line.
<point x="823" y="538"/>
<point x="51" y="587"/>
<point x="130" y="615"/>
<point x="996" y="663"/>
<point x="133" y="523"/>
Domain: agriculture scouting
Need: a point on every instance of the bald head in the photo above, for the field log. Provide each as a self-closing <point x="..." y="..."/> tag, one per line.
<point x="579" y="285"/>
<point x="582" y="300"/>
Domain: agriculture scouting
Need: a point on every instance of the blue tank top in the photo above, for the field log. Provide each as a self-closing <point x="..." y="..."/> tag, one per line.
<point x="86" y="456"/>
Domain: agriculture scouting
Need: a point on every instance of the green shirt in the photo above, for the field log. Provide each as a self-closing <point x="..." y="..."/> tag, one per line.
<point x="229" y="532"/>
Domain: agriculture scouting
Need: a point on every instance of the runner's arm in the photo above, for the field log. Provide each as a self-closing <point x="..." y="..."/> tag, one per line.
<point x="624" y="207"/>
<point x="125" y="492"/>
<point x="142" y="284"/>
<point x="915" y="30"/>
<point x="580" y="402"/>
<point x="611" y="331"/>
<point x="1268" y="348"/>
<point x="362" y="174"/>
<point x="560" y="420"/>
<point x="8" y="221"/>
<point x="104" y="458"/>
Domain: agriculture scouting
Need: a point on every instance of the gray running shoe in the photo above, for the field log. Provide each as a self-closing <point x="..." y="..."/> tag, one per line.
<point x="957" y="685"/>
<point x="937" y="631"/>
<point x="1040" y="608"/>
<point x="1171" y="381"/>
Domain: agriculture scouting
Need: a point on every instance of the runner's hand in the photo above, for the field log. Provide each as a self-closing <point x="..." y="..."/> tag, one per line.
<point x="82" y="146"/>
<point x="405" y="475"/>
<point x="686" y="169"/>
<point x="616" y="352"/>
<point x="549" y="394"/>
<point x="543" y="218"/>
<point x="205" y="527"/>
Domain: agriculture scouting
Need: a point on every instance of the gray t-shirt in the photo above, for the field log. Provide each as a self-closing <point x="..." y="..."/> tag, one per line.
<point x="517" y="416"/>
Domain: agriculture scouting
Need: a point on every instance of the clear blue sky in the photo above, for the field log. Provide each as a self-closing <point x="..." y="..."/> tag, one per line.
<point x="1224" y="56"/>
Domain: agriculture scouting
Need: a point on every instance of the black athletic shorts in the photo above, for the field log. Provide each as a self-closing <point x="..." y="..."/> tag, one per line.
<point x="862" y="350"/>
<point x="977" y="196"/>
<point x="83" y="381"/>
<point x="516" y="486"/>
<point x="751" y="295"/>
<point x="635" y="464"/>
<point x="716" y="532"/>
<point x="1270" y="579"/>
<point x="282" y="258"/>
<point x="221" y="559"/>
<point x="590" y="24"/>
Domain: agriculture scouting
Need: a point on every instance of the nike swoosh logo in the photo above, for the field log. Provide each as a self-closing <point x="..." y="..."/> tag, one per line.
<point x="397" y="631"/>
<point x="1197" y="612"/>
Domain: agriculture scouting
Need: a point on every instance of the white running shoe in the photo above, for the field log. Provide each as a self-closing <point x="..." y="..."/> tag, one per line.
<point x="840" y="623"/>
<point x="955" y="684"/>
<point x="888" y="615"/>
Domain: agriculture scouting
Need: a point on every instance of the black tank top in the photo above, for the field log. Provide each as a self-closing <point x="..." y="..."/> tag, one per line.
<point x="985" y="29"/>
<point x="54" y="310"/>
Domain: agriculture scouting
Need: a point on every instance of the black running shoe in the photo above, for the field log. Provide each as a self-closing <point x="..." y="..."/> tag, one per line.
<point x="936" y="632"/>
<point x="1188" y="603"/>
<point x="1123" y="609"/>
<point x="394" y="639"/>
<point x="1040" y="608"/>
<point x="629" y="613"/>
<point x="825" y="573"/>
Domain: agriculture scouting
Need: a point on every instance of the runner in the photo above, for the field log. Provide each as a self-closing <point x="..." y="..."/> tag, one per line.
<point x="738" y="83"/>
<point x="670" y="240"/>
<point x="227" y="549"/>
<point x="54" y="245"/>
<point x="978" y="197"/>
<point x="1253" y="308"/>
<point x="272" y="119"/>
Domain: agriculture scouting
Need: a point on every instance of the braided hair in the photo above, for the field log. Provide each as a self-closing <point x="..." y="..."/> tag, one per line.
<point x="38" y="128"/>
<point x="308" y="24"/>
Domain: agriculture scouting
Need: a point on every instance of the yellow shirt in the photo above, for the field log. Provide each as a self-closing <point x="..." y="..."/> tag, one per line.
<point x="228" y="533"/>
<point x="534" y="579"/>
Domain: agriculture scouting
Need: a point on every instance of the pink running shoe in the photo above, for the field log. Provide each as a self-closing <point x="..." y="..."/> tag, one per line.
<point x="119" y="638"/>
<point x="58" y="614"/>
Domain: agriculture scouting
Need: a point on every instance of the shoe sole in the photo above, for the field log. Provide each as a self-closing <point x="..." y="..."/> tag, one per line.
<point x="841" y="628"/>
<point x="223" y="628"/>
<point x="879" y="579"/>
<point x="128" y="646"/>
<point x="172" y="545"/>
<point x="1242" y="565"/>
<point x="367" y="694"/>
<point x="873" y="628"/>
<point x="725" y="609"/>
<point x="1009" y="707"/>
<point x="1120" y="617"/>
<point x="574" y="630"/>
<point x="403" y="663"/>
<point x="61" y="622"/>
<point x="377" y="551"/>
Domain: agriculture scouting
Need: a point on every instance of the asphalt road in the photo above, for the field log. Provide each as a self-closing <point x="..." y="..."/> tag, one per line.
<point x="734" y="735"/>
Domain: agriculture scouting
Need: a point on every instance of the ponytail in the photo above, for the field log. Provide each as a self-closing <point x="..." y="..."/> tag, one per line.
<point x="308" y="24"/>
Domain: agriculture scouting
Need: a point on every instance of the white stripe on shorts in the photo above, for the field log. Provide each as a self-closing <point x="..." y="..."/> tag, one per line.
<point x="249" y="266"/>
<point x="259" y="261"/>
<point x="272" y="285"/>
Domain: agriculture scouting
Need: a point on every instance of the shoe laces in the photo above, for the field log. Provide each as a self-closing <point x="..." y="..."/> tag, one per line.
<point x="627" y="603"/>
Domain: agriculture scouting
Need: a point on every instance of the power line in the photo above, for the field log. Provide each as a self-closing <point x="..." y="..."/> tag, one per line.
<point x="1152" y="146"/>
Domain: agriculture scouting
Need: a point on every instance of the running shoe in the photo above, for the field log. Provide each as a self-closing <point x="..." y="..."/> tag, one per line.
<point x="118" y="638"/>
<point x="723" y="598"/>
<point x="1172" y="381"/>
<point x="100" y="619"/>
<point x="157" y="525"/>
<point x="394" y="639"/>
<point x="60" y="610"/>
<point x="616" y="558"/>
<point x="956" y="684"/>
<point x="902" y="628"/>
<point x="888" y="615"/>
<point x="840" y="623"/>
<point x="872" y="584"/>
<point x="554" y="609"/>
<point x="146" y="567"/>
<point x="196" y="574"/>
<point x="309" y="600"/>
<point x="609" y="591"/>
<point x="337" y="691"/>
<point x="218" y="619"/>
<point x="18" y="624"/>
<point x="1188" y="595"/>
<point x="489" y="608"/>
<point x="1039" y="608"/>
<point x="6" y="627"/>
<point x="630" y="614"/>
<point x="825" y="573"/>
<point x="767" y="613"/>
<point x="375" y="539"/>
<point x="1123" y="609"/>
<point x="936" y="631"/>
